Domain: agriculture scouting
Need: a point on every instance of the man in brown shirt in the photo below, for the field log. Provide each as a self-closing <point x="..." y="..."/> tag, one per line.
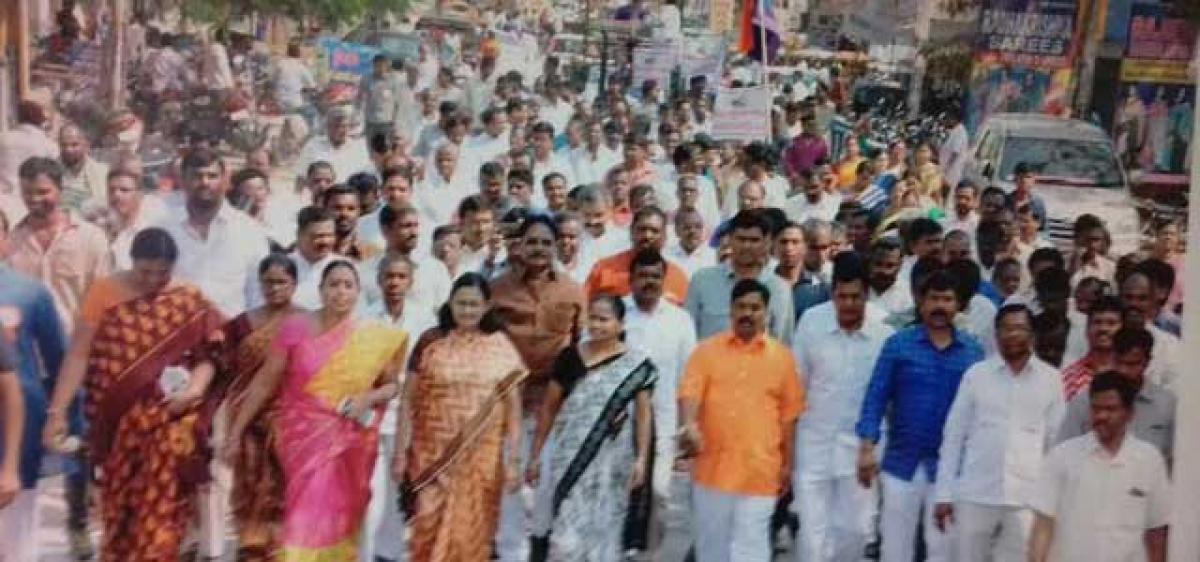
<point x="542" y="310"/>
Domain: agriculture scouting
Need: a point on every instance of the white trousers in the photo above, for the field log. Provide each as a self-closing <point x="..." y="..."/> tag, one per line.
<point x="989" y="533"/>
<point x="903" y="504"/>
<point x="516" y="509"/>
<point x="835" y="518"/>
<point x="384" y="530"/>
<point x="18" y="528"/>
<point x="212" y="507"/>
<point x="731" y="527"/>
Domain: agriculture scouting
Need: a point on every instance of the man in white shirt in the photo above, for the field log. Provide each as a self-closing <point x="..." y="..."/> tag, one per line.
<point x="215" y="72"/>
<point x="492" y="142"/>
<point x="84" y="179"/>
<point x="953" y="153"/>
<point x="668" y="335"/>
<point x="219" y="251"/>
<point x="1137" y="291"/>
<point x="964" y="217"/>
<point x="1104" y="496"/>
<point x="480" y="246"/>
<point x="1003" y="420"/>
<point x="346" y="157"/>
<point x="567" y="247"/>
<point x="689" y="250"/>
<point x="18" y="144"/>
<point x="129" y="211"/>
<point x="817" y="202"/>
<point x="315" y="238"/>
<point x="219" y="246"/>
<point x="836" y="344"/>
<point x="545" y="161"/>
<point x="601" y="237"/>
<point x="292" y="79"/>
<point x="430" y="279"/>
<point x="383" y="530"/>
<point x="591" y="162"/>
<point x="445" y="186"/>
<point x="888" y="291"/>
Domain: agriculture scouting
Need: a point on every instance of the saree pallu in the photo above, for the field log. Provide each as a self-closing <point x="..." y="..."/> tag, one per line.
<point x="149" y="460"/>
<point x="455" y="468"/>
<point x="327" y="458"/>
<point x="257" y="495"/>
<point x="595" y="449"/>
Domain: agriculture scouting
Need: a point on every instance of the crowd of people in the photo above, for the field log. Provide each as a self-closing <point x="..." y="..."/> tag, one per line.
<point x="507" y="322"/>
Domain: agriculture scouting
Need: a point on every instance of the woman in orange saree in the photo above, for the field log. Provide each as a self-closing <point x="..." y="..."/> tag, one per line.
<point x="463" y="395"/>
<point x="332" y="375"/>
<point x="257" y="495"/>
<point x="138" y="337"/>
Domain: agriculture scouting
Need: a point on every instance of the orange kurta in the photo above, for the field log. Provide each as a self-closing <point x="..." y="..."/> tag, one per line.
<point x="748" y="393"/>
<point x="611" y="276"/>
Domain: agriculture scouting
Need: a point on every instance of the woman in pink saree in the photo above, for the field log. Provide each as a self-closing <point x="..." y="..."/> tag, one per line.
<point x="337" y="374"/>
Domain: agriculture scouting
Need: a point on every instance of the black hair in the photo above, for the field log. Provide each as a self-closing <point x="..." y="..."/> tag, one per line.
<point x="362" y="183"/>
<point x="993" y="191"/>
<point x="649" y="211"/>
<point x="1113" y="381"/>
<point x="489" y="324"/>
<point x="647" y="258"/>
<point x="471" y="205"/>
<point x="36" y="166"/>
<point x="747" y="286"/>
<point x="1109" y="304"/>
<point x="1160" y="273"/>
<point x="1085" y="223"/>
<point x="921" y="270"/>
<point x="393" y="171"/>
<point x="615" y="302"/>
<point x="685" y="152"/>
<point x="389" y="215"/>
<point x="968" y="277"/>
<point x="339" y="263"/>
<point x="546" y="179"/>
<point x="445" y="230"/>
<point x="239" y="177"/>
<point x="1053" y="280"/>
<point x="153" y="244"/>
<point x="312" y="214"/>
<point x="746" y="220"/>
<point x="1051" y="255"/>
<point x="523" y="176"/>
<point x="532" y="219"/>
<point x="280" y="260"/>
<point x="200" y="158"/>
<point x="318" y="165"/>
<point x="338" y="189"/>
<point x="848" y="267"/>
<point x="1130" y="338"/>
<point x="381" y="143"/>
<point x="542" y="127"/>
<point x="759" y="152"/>
<point x="491" y="170"/>
<point x="922" y="228"/>
<point x="937" y="280"/>
<point x="1013" y="308"/>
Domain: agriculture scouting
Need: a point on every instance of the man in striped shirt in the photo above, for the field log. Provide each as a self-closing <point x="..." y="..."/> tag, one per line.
<point x="1104" y="320"/>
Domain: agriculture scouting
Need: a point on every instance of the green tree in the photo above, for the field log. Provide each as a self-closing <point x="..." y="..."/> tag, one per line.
<point x="329" y="12"/>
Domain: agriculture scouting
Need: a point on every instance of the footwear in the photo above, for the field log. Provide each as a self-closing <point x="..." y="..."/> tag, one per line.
<point x="81" y="544"/>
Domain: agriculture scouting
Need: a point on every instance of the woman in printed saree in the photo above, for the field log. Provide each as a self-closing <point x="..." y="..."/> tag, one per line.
<point x="599" y="403"/>
<point x="463" y="399"/>
<point x="330" y="376"/>
<point x="142" y="345"/>
<point x="257" y="495"/>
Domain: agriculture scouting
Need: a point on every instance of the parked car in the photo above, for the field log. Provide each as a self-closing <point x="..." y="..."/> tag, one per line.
<point x="1077" y="172"/>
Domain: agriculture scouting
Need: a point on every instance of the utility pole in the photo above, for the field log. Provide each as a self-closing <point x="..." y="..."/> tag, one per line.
<point x="921" y="31"/>
<point x="24" y="57"/>
<point x="1085" y="69"/>
<point x="116" y="79"/>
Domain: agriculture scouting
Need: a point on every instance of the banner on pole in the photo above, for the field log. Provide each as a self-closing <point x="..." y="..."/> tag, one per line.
<point x="347" y="58"/>
<point x="655" y="60"/>
<point x="742" y="114"/>
<point x="704" y="56"/>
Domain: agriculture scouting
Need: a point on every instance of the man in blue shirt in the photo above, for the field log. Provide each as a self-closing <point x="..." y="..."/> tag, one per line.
<point x="29" y="326"/>
<point x="914" y="383"/>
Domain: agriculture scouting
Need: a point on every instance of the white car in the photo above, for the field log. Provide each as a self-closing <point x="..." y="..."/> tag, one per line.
<point x="1077" y="172"/>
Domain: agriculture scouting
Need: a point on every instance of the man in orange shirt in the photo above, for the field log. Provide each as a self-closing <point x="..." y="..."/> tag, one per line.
<point x="611" y="274"/>
<point x="739" y="401"/>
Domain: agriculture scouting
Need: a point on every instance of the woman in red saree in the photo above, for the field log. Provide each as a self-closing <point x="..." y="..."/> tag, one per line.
<point x="333" y="375"/>
<point x="257" y="495"/>
<point x="142" y="346"/>
<point x="465" y="402"/>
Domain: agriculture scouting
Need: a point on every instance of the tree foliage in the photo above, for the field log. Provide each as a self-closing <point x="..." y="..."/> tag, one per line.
<point x="328" y="12"/>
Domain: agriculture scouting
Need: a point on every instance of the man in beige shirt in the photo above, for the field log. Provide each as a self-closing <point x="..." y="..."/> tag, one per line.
<point x="53" y="245"/>
<point x="84" y="179"/>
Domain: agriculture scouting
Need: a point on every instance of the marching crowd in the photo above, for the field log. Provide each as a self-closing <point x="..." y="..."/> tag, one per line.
<point x="508" y="323"/>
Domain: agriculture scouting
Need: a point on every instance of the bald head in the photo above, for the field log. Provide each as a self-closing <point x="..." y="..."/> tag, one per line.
<point x="72" y="145"/>
<point x="751" y="195"/>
